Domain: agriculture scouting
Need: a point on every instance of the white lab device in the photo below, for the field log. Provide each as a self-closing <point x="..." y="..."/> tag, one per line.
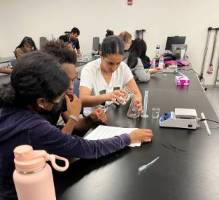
<point x="181" y="118"/>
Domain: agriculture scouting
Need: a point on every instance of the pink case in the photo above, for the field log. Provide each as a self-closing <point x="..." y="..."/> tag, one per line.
<point x="182" y="80"/>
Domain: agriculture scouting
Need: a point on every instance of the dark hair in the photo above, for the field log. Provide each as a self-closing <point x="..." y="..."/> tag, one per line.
<point x="64" y="38"/>
<point x="109" y="33"/>
<point x="36" y="75"/>
<point x="75" y="30"/>
<point x="53" y="44"/>
<point x="137" y="50"/>
<point x="27" y="40"/>
<point x="58" y="50"/>
<point x="112" y="45"/>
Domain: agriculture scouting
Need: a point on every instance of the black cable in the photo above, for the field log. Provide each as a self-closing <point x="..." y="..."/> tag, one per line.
<point x="210" y="120"/>
<point x="217" y="122"/>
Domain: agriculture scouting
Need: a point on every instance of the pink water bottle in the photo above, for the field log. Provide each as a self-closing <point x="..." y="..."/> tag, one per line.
<point x="32" y="175"/>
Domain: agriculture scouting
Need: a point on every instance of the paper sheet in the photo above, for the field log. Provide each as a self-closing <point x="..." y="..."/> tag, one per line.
<point x="104" y="132"/>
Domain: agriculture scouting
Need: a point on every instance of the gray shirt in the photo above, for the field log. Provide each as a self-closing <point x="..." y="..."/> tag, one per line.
<point x="140" y="73"/>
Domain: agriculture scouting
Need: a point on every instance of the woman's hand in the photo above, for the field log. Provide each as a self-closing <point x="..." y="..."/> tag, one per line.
<point x="73" y="107"/>
<point x="6" y="69"/>
<point x="99" y="115"/>
<point x="141" y="135"/>
<point x="154" y="70"/>
<point x="116" y="95"/>
<point x="138" y="104"/>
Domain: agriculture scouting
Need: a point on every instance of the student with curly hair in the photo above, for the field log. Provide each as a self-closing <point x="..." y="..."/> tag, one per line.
<point x="67" y="59"/>
<point x="39" y="84"/>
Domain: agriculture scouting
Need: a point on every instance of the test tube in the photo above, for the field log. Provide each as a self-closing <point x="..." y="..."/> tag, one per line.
<point x="145" y="115"/>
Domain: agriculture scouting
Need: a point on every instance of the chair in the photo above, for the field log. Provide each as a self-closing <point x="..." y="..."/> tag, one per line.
<point x="43" y="41"/>
<point x="96" y="45"/>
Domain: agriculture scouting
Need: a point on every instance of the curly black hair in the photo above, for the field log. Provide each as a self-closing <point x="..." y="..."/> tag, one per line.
<point x="36" y="75"/>
<point x="58" y="50"/>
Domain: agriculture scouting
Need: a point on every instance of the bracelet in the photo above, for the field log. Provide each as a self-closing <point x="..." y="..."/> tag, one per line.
<point x="73" y="117"/>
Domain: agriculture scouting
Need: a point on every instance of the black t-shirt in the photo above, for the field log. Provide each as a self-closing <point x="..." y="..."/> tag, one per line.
<point x="75" y="44"/>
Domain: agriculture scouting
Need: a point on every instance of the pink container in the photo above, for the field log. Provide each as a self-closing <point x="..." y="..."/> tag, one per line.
<point x="182" y="80"/>
<point x="33" y="176"/>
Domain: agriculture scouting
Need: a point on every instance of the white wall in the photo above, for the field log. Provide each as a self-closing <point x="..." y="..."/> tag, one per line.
<point x="161" y="18"/>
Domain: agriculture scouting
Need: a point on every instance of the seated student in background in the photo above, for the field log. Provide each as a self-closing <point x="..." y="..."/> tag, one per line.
<point x="103" y="79"/>
<point x="126" y="38"/>
<point x="38" y="84"/>
<point x="67" y="59"/>
<point x="26" y="45"/>
<point x="67" y="44"/>
<point x="73" y="38"/>
<point x="109" y="32"/>
<point x="135" y="61"/>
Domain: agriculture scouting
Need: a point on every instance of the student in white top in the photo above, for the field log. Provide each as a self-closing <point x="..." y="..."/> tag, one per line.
<point x="103" y="79"/>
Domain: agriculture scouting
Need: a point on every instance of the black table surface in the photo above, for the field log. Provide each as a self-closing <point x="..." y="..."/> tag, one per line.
<point x="188" y="165"/>
<point x="84" y="60"/>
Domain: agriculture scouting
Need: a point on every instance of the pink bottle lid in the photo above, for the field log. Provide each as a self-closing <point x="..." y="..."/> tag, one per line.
<point x="28" y="160"/>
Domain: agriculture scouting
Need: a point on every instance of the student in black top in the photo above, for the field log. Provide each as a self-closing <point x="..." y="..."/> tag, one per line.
<point x="75" y="32"/>
<point x="65" y="41"/>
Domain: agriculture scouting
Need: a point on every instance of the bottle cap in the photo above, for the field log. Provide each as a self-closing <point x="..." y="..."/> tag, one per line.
<point x="28" y="160"/>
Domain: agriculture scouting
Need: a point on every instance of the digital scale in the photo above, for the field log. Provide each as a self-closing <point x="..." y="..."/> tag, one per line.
<point x="180" y="118"/>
